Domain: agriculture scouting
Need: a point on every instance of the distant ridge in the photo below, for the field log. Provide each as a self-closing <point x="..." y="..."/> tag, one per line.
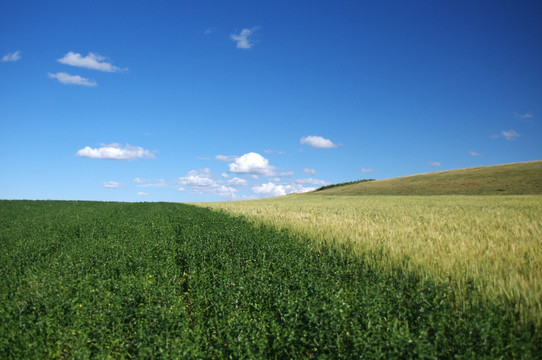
<point x="509" y="179"/>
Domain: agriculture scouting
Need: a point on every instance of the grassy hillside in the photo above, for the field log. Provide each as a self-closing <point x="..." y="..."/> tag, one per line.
<point x="509" y="179"/>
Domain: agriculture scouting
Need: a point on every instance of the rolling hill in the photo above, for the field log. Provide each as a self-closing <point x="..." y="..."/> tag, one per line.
<point x="508" y="179"/>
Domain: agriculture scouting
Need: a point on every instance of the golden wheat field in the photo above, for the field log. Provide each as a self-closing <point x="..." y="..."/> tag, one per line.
<point x="491" y="244"/>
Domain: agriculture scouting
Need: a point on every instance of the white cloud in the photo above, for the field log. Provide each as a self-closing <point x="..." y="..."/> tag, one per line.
<point x="272" y="189"/>
<point x="91" y="61"/>
<point x="12" y="57"/>
<point x="200" y="181"/>
<point x="364" y="170"/>
<point x="141" y="193"/>
<point x="252" y="163"/>
<point x="226" y="158"/>
<point x="225" y="175"/>
<point x="474" y="153"/>
<point x="112" y="184"/>
<point x="237" y="182"/>
<point x="150" y="183"/>
<point x="524" y="116"/>
<point x="198" y="178"/>
<point x="309" y="171"/>
<point x="243" y="39"/>
<point x="510" y="135"/>
<point x="434" y="163"/>
<point x="317" y="142"/>
<point x="202" y="158"/>
<point x="115" y="152"/>
<point x="65" y="78"/>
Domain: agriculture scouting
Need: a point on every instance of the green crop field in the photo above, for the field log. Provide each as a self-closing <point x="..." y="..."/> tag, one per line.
<point x="159" y="280"/>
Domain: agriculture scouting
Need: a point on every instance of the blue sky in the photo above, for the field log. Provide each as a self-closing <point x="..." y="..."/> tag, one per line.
<point x="214" y="100"/>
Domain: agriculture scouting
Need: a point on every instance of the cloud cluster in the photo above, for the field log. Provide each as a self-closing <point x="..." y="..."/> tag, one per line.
<point x="115" y="152"/>
<point x="251" y="165"/>
<point x="12" y="57"/>
<point x="243" y="172"/>
<point x="318" y="142"/>
<point x="201" y="181"/>
<point x="272" y="189"/>
<point x="91" y="61"/>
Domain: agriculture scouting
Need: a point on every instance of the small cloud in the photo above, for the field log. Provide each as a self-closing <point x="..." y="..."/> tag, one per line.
<point x="225" y="175"/>
<point x="317" y="142"/>
<point x="141" y="193"/>
<point x="237" y="182"/>
<point x="525" y="116"/>
<point x="91" y="61"/>
<point x="150" y="183"/>
<point x="112" y="184"/>
<point x="226" y="158"/>
<point x="115" y="152"/>
<point x="252" y="163"/>
<point x="269" y="151"/>
<point x="243" y="39"/>
<point x="474" y="153"/>
<point x="64" y="78"/>
<point x="434" y="163"/>
<point x="309" y="171"/>
<point x="509" y="135"/>
<point x="12" y="57"/>
<point x="209" y="30"/>
<point x="369" y="170"/>
<point x="202" y="158"/>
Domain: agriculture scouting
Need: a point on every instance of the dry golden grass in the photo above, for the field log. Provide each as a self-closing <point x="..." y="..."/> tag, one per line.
<point x="491" y="244"/>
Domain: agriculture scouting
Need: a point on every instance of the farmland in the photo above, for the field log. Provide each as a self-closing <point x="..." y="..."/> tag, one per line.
<point x="161" y="280"/>
<point x="486" y="246"/>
